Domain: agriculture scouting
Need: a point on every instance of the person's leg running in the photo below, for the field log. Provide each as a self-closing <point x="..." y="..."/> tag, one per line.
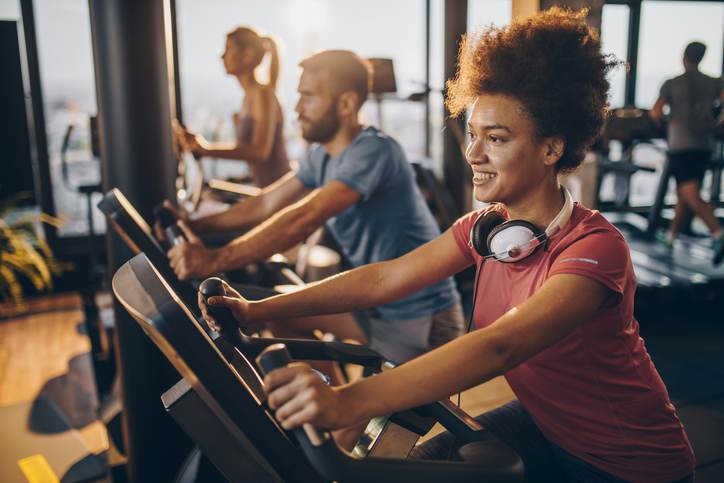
<point x="682" y="216"/>
<point x="689" y="191"/>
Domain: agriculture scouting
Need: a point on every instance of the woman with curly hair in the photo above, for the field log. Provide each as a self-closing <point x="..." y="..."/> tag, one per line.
<point x="259" y="125"/>
<point x="554" y="290"/>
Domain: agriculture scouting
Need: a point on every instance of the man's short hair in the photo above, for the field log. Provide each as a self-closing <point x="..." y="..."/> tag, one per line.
<point x="347" y="71"/>
<point x="694" y="52"/>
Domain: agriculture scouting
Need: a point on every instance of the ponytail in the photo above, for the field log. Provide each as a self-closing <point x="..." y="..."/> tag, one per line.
<point x="271" y="47"/>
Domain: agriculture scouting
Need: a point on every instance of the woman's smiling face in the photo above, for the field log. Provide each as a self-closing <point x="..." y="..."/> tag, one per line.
<point x="507" y="157"/>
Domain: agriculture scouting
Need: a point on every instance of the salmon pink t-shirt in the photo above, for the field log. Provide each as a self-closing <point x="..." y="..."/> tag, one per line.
<point x="596" y="392"/>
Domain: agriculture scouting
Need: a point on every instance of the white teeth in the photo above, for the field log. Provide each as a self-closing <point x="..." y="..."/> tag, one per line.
<point x="483" y="176"/>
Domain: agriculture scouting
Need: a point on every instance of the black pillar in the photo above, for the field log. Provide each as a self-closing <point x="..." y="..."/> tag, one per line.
<point x="634" y="26"/>
<point x="456" y="172"/>
<point x="33" y="92"/>
<point x="134" y="88"/>
<point x="428" y="34"/>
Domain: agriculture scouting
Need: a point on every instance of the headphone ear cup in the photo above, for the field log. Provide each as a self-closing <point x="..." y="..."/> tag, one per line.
<point x="521" y="235"/>
<point x="482" y="227"/>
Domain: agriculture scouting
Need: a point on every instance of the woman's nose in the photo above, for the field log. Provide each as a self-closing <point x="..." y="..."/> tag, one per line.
<point x="474" y="153"/>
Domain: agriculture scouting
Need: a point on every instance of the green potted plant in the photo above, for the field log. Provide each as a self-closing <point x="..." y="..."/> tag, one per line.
<point x="23" y="253"/>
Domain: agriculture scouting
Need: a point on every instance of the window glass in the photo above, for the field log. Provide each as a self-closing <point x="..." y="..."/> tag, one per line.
<point x="614" y="40"/>
<point x="66" y="73"/>
<point x="666" y="29"/>
<point x="9" y="10"/>
<point x="301" y="27"/>
<point x="483" y="13"/>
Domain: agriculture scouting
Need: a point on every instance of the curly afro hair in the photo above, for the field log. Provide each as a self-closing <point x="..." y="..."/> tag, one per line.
<point x="552" y="64"/>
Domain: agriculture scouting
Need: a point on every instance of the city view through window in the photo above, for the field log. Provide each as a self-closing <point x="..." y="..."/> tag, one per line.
<point x="376" y="28"/>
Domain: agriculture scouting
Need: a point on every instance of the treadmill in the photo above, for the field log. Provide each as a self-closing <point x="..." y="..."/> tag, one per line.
<point x="222" y="408"/>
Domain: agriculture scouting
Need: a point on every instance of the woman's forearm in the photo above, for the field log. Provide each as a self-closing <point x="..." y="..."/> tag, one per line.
<point x="348" y="291"/>
<point x="235" y="151"/>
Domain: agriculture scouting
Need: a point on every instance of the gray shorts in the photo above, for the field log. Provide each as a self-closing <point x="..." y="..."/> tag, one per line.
<point x="402" y="340"/>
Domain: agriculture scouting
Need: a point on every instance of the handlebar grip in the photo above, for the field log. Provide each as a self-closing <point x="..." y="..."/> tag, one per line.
<point x="164" y="216"/>
<point x="214" y="287"/>
<point x="174" y="235"/>
<point x="274" y="357"/>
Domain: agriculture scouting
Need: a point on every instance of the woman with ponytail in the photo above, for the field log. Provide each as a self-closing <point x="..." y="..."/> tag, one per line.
<point x="259" y="123"/>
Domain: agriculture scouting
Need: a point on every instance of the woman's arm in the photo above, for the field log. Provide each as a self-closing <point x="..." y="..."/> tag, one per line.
<point x="561" y="305"/>
<point x="363" y="287"/>
<point x="265" y="114"/>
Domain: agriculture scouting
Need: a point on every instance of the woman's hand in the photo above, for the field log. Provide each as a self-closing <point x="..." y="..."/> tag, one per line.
<point x="298" y="396"/>
<point x="238" y="305"/>
<point x="191" y="141"/>
<point x="196" y="144"/>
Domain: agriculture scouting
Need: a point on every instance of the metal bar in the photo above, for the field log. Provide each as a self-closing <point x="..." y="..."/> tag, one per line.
<point x="428" y="40"/>
<point x="456" y="172"/>
<point x="175" y="67"/>
<point x="37" y="135"/>
<point x="634" y="27"/>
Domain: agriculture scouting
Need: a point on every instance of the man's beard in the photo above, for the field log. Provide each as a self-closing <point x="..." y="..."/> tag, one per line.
<point x="324" y="129"/>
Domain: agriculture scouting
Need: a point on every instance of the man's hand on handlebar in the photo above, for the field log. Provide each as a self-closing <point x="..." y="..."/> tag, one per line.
<point x="298" y="395"/>
<point x="192" y="259"/>
<point x="158" y="229"/>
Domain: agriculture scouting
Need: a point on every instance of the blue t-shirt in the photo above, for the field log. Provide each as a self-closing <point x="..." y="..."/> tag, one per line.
<point x="389" y="221"/>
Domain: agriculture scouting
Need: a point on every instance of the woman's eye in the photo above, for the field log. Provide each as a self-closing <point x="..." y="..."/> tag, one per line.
<point x="495" y="139"/>
<point x="471" y="135"/>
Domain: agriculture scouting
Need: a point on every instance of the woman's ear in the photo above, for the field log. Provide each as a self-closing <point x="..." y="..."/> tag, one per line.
<point x="554" y="150"/>
<point x="247" y="55"/>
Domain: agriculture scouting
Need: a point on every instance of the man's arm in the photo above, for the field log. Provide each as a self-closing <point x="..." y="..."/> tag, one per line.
<point x="289" y="226"/>
<point x="657" y="112"/>
<point x="252" y="211"/>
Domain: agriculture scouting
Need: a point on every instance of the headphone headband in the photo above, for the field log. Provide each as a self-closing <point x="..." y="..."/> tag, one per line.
<point x="563" y="216"/>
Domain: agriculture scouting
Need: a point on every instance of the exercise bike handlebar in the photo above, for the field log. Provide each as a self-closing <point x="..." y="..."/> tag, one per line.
<point x="214" y="287"/>
<point x="335" y="464"/>
<point x="164" y="216"/>
<point x="174" y="235"/>
<point x="302" y="349"/>
<point x="168" y="221"/>
<point x="452" y="417"/>
<point x="277" y="356"/>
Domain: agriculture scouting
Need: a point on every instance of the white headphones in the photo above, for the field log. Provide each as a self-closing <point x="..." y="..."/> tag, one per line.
<point x="513" y="240"/>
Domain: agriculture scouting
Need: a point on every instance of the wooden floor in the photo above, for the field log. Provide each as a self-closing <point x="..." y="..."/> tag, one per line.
<point x="37" y="348"/>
